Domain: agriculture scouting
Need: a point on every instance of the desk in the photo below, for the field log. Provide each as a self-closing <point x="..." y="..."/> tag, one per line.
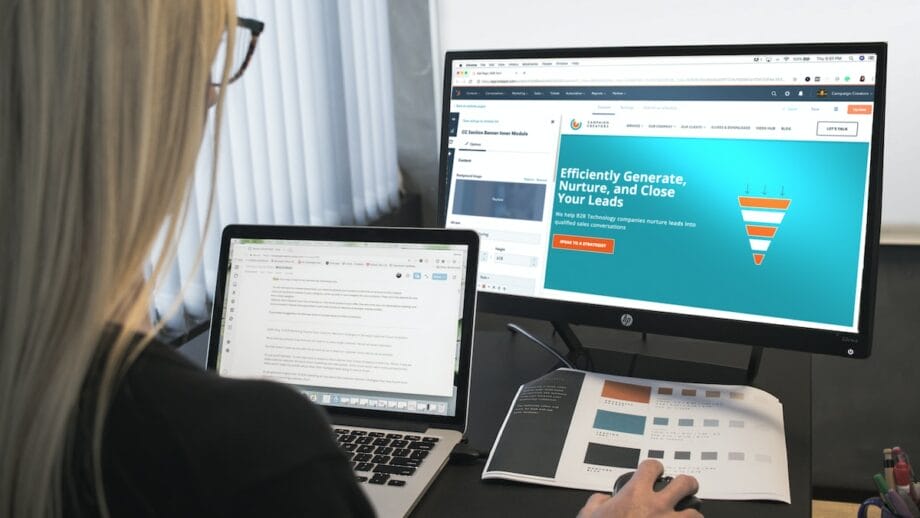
<point x="501" y="363"/>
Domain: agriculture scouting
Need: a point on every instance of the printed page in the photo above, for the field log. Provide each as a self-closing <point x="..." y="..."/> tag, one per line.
<point x="532" y="439"/>
<point x="731" y="438"/>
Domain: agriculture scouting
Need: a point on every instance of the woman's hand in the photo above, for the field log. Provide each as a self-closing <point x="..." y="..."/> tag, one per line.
<point x="638" y="499"/>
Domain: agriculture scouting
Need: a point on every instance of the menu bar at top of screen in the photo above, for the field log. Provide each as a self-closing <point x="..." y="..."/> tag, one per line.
<point x="762" y="59"/>
<point x="683" y="70"/>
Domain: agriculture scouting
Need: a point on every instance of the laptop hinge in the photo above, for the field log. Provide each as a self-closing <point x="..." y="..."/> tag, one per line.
<point x="406" y="426"/>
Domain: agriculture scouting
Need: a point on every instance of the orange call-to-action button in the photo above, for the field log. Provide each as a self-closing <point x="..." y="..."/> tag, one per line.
<point x="583" y="244"/>
<point x="859" y="109"/>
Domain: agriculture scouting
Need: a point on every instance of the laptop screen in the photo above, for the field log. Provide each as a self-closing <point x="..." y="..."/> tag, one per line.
<point x="359" y="325"/>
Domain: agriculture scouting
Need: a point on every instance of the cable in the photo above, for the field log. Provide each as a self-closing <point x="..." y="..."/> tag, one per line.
<point x="463" y="453"/>
<point x="514" y="328"/>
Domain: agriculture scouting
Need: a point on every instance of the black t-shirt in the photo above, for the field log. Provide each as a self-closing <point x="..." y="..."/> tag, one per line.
<point x="180" y="441"/>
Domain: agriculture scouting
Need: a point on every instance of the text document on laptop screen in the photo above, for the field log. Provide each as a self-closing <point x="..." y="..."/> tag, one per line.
<point x="365" y="325"/>
<point x="724" y="186"/>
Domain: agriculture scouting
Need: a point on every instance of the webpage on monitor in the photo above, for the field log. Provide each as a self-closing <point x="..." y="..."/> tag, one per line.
<point x="721" y="186"/>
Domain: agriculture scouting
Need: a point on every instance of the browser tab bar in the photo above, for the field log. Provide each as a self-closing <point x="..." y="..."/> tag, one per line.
<point x="689" y="70"/>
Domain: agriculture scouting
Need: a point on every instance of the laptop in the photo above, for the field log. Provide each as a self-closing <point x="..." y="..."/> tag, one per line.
<point x="374" y="324"/>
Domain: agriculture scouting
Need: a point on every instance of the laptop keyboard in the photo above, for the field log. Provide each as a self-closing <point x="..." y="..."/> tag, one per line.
<point x="380" y="458"/>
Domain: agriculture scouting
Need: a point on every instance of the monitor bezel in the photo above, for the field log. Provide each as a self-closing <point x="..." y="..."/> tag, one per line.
<point x="851" y="345"/>
<point x="376" y="235"/>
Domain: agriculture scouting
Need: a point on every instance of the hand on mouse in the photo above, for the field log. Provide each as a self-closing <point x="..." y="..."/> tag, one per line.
<point x="638" y="499"/>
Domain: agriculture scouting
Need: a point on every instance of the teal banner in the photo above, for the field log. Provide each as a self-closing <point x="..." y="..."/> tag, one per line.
<point x="763" y="227"/>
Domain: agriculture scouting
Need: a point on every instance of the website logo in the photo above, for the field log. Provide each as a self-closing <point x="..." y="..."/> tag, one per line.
<point x="575" y="124"/>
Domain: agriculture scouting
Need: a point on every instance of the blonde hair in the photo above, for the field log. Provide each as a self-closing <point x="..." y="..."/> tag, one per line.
<point x="102" y="110"/>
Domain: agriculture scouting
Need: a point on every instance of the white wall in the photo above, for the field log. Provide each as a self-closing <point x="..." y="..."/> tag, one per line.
<point x="496" y="24"/>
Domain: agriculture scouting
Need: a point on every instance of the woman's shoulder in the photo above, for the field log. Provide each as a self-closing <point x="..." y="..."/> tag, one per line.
<point x="178" y="436"/>
<point x="167" y="382"/>
<point x="210" y="414"/>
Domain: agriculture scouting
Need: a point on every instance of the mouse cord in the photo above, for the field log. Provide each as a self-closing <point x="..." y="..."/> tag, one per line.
<point x="514" y="328"/>
<point x="463" y="453"/>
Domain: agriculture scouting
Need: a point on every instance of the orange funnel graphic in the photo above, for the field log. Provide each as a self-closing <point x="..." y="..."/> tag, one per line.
<point x="762" y="216"/>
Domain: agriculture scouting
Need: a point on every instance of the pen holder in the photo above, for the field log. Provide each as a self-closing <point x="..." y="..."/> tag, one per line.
<point x="874" y="502"/>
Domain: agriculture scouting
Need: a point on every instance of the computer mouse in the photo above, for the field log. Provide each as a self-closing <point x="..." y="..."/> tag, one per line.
<point x="688" y="502"/>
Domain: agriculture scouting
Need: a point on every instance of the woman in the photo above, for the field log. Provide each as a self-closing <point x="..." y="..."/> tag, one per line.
<point x="102" y="111"/>
<point x="103" y="106"/>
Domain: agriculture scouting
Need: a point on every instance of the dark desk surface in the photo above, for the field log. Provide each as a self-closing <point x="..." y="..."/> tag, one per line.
<point x="873" y="400"/>
<point x="501" y="363"/>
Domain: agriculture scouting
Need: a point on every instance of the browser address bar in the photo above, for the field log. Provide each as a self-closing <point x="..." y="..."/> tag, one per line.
<point x="612" y="75"/>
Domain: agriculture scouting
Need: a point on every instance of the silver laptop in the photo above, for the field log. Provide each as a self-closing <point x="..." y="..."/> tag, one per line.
<point x="374" y="324"/>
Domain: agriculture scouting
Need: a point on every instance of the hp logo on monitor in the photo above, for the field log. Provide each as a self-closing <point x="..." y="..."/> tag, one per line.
<point x="626" y="319"/>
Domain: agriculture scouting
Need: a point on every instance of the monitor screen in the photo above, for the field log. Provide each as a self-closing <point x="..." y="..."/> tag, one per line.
<point x="728" y="193"/>
<point x="362" y="326"/>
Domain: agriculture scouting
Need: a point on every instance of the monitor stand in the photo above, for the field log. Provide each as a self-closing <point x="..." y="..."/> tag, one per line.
<point x="643" y="365"/>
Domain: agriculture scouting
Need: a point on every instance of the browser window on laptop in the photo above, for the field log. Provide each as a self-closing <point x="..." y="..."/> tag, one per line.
<point x="367" y="325"/>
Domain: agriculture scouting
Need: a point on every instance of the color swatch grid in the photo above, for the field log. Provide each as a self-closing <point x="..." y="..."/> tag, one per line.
<point x="635" y="416"/>
<point x="710" y="394"/>
<point x="706" y="423"/>
<point x="628" y="458"/>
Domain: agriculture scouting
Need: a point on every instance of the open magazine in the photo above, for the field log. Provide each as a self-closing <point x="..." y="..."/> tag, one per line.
<point x="583" y="430"/>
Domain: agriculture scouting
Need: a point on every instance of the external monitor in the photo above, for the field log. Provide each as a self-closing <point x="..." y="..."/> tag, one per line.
<point x="728" y="193"/>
